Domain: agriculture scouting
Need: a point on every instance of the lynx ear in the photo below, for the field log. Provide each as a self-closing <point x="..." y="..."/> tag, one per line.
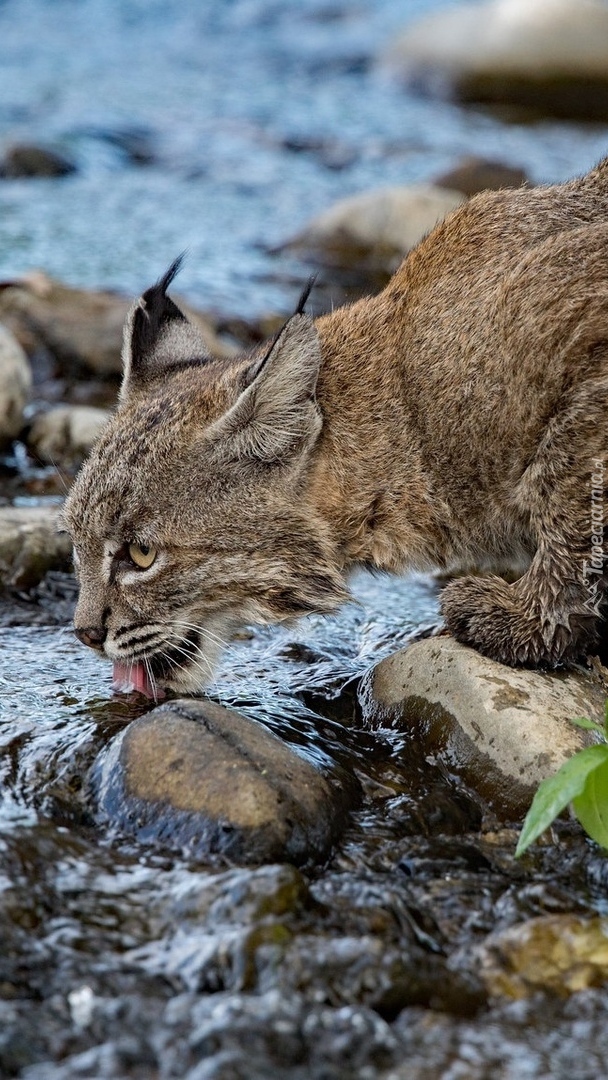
<point x="158" y="337"/>
<point x="276" y="415"/>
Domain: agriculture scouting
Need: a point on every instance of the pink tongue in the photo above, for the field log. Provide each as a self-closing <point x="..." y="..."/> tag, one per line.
<point x="128" y="677"/>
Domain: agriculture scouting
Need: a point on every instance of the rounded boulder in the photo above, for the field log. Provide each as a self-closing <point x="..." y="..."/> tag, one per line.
<point x="550" y="56"/>
<point x="503" y="730"/>
<point x="196" y="776"/>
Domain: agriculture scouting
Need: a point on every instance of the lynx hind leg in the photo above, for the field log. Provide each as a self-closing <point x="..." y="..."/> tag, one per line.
<point x="554" y="613"/>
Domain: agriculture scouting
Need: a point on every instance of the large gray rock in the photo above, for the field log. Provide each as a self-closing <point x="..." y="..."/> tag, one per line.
<point x="65" y="434"/>
<point x="503" y="730"/>
<point x="550" y="55"/>
<point x="194" y="775"/>
<point x="15" y="383"/>
<point x="30" y="545"/>
<point x="78" y="326"/>
<point x="376" y="228"/>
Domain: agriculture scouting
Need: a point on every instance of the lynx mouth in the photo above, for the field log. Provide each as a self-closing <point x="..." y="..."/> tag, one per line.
<point x="154" y="674"/>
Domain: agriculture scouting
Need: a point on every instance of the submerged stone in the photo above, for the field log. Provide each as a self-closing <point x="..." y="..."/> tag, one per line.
<point x="196" y="776"/>
<point x="561" y="954"/>
<point x="503" y="730"/>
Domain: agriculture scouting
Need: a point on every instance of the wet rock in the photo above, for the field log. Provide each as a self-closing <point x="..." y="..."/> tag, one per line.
<point x="64" y="435"/>
<point x="78" y="327"/>
<point x="503" y="730"/>
<point x="472" y="175"/>
<point x="561" y="954"/>
<point x="15" y="383"/>
<point x="194" y="775"/>
<point x="376" y="228"/>
<point x="30" y="545"/>
<point x="550" y="57"/>
<point x="28" y="160"/>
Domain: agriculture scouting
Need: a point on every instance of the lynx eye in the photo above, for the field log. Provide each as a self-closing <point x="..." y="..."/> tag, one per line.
<point x="142" y="555"/>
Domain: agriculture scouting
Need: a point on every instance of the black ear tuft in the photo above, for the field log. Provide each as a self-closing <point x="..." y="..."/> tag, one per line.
<point x="306" y="291"/>
<point x="158" y="337"/>
<point x="155" y="309"/>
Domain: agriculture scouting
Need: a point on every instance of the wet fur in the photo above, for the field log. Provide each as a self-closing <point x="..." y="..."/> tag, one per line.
<point x="455" y="418"/>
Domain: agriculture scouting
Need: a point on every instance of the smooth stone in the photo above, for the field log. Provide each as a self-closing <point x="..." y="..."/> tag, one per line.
<point x="15" y="385"/>
<point x="376" y="227"/>
<point x="79" y="327"/>
<point x="194" y="775"/>
<point x="64" y="435"/>
<point x="503" y="730"/>
<point x="550" y="56"/>
<point x="30" y="545"/>
<point x="472" y="174"/>
<point x="28" y="160"/>
<point x="559" y="954"/>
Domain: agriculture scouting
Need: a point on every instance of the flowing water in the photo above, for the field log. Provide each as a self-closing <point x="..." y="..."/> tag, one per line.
<point x="220" y="128"/>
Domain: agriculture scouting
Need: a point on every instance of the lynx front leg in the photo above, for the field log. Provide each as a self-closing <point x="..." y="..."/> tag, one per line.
<point x="536" y="622"/>
<point x="552" y="614"/>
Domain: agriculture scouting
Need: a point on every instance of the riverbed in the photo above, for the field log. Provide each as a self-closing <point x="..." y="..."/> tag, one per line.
<point x="220" y="129"/>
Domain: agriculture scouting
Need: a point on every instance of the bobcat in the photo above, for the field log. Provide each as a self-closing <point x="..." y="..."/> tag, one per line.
<point x="458" y="417"/>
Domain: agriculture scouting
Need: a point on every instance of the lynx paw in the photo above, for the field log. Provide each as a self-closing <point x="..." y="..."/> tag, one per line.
<point x="487" y="614"/>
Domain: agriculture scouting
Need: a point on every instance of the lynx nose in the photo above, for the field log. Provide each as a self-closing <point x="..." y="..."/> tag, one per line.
<point x="93" y="636"/>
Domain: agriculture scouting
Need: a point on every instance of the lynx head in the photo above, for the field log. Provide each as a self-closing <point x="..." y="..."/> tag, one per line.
<point x="189" y="518"/>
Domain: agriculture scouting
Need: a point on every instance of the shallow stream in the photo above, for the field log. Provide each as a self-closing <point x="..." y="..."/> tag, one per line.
<point x="221" y="128"/>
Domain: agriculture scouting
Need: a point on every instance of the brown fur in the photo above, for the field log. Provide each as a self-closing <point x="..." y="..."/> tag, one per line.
<point x="456" y="418"/>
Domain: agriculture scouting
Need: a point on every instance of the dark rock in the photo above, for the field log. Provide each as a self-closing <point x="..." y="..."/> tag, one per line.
<point x="473" y="174"/>
<point x="26" y="160"/>
<point x="194" y="775"/>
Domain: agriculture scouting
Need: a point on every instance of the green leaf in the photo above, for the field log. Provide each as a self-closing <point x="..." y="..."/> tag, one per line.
<point x="588" y="725"/>
<point x="591" y="807"/>
<point x="557" y="791"/>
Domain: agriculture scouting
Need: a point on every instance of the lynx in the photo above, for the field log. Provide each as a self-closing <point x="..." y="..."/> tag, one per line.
<point x="458" y="417"/>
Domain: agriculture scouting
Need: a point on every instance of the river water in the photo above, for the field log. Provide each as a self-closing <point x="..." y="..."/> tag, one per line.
<point x="221" y="128"/>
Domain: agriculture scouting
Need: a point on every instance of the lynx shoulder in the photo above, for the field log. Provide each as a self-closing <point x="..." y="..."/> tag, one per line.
<point x="460" y="416"/>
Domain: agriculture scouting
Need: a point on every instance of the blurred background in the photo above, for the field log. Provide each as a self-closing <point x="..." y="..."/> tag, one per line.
<point x="132" y="130"/>
<point x="266" y="137"/>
